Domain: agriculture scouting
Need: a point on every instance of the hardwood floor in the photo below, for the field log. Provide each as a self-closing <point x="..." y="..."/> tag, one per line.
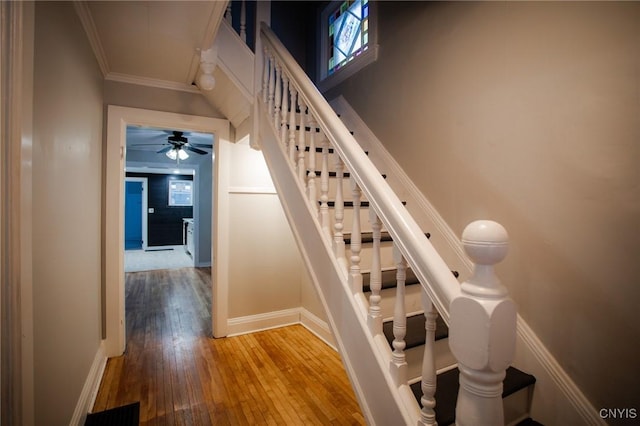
<point x="182" y="376"/>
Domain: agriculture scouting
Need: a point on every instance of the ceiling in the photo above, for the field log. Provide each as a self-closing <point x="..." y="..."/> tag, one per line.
<point x="143" y="144"/>
<point x="158" y="44"/>
<point x="154" y="43"/>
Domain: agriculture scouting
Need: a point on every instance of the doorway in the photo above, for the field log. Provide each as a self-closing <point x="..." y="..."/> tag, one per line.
<point x="117" y="121"/>
<point x="135" y="214"/>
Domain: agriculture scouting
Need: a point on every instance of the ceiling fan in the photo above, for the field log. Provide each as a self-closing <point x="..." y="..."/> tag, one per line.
<point x="176" y="146"/>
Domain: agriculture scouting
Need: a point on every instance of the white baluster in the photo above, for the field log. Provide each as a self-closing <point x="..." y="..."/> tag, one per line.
<point x="227" y="14"/>
<point x="301" y="141"/>
<point x="272" y="83"/>
<point x="398" y="360"/>
<point x="285" y="109"/>
<point x="292" y="125"/>
<point x="428" y="387"/>
<point x="324" y="187"/>
<point x="338" y="226"/>
<point x="265" y="75"/>
<point x="375" y="279"/>
<point x="243" y="21"/>
<point x="482" y="331"/>
<point x="278" y="98"/>
<point x="311" y="175"/>
<point x="356" y="240"/>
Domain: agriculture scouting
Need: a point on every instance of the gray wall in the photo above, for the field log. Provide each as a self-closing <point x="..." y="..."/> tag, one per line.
<point x="527" y="113"/>
<point x="67" y="188"/>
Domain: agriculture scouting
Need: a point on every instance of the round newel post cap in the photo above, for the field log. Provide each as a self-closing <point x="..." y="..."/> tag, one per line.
<point x="485" y="241"/>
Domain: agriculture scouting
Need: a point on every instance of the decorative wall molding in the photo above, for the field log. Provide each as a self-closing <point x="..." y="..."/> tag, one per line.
<point x="252" y="190"/>
<point x="82" y="9"/>
<point x="90" y="388"/>
<point x="151" y="82"/>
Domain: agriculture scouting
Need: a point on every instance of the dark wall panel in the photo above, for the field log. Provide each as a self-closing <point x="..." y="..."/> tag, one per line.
<point x="165" y="223"/>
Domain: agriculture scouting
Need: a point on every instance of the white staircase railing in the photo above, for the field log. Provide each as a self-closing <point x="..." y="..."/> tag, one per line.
<point x="481" y="316"/>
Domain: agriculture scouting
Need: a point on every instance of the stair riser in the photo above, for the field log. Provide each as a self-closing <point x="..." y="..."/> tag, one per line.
<point x="366" y="255"/>
<point x="414" y="356"/>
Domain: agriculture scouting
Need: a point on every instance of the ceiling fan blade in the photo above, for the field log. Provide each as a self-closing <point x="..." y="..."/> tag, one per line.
<point x="163" y="150"/>
<point x="192" y="149"/>
<point x="201" y="145"/>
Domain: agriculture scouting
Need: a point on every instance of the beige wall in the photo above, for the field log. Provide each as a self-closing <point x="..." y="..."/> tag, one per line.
<point x="153" y="98"/>
<point x="265" y="267"/>
<point x="66" y="211"/>
<point x="527" y="113"/>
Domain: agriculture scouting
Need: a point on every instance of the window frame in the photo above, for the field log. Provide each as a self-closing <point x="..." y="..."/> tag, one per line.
<point x="325" y="81"/>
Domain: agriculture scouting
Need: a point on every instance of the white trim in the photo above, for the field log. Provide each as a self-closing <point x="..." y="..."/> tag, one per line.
<point x="286" y="317"/>
<point x="260" y="322"/>
<point x="326" y="82"/>
<point x="89" y="25"/>
<point x="545" y="363"/>
<point x="252" y="190"/>
<point x="562" y="382"/>
<point x="318" y="327"/>
<point x="117" y="120"/>
<point x="90" y="389"/>
<point x="151" y="82"/>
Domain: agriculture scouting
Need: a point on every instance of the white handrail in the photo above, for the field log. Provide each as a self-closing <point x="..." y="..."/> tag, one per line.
<point x="435" y="276"/>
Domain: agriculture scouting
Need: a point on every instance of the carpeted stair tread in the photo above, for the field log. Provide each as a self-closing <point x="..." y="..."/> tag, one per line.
<point x="127" y="415"/>
<point x="344" y="174"/>
<point x="388" y="279"/>
<point x="447" y="391"/>
<point x="529" y="422"/>
<point x="415" y="331"/>
<point x="367" y="237"/>
<point x="349" y="204"/>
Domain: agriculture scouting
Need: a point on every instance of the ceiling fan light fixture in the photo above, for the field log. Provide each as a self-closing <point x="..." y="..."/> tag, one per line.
<point x="172" y="154"/>
<point x="176" y="153"/>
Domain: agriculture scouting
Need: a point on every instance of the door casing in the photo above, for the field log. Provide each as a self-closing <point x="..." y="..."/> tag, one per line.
<point x="113" y="279"/>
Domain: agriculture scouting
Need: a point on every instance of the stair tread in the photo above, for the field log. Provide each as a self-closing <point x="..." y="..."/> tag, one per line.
<point x="388" y="279"/>
<point x="350" y="203"/>
<point x="447" y="391"/>
<point x="415" y="331"/>
<point x="335" y="175"/>
<point x="529" y="422"/>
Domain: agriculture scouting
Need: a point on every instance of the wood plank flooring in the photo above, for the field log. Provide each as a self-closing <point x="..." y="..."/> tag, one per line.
<point x="182" y="376"/>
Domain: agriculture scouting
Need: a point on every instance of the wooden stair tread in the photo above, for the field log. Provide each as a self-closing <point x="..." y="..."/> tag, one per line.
<point x="415" y="331"/>
<point x="447" y="391"/>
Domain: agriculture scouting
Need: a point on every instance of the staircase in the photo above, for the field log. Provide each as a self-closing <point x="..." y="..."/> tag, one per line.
<point x="408" y="331"/>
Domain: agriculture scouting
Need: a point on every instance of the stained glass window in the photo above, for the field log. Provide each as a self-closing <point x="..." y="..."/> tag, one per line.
<point x="348" y="33"/>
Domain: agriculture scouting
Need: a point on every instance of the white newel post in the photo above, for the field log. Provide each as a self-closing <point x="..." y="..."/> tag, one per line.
<point x="483" y="328"/>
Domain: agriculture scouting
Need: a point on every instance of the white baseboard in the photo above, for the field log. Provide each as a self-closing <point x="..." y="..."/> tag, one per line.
<point x="270" y="320"/>
<point x="90" y="388"/>
<point x="318" y="327"/>
<point x="260" y="322"/>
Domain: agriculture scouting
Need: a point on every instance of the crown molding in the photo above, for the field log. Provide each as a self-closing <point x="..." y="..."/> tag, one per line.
<point x="82" y="9"/>
<point x="152" y="82"/>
